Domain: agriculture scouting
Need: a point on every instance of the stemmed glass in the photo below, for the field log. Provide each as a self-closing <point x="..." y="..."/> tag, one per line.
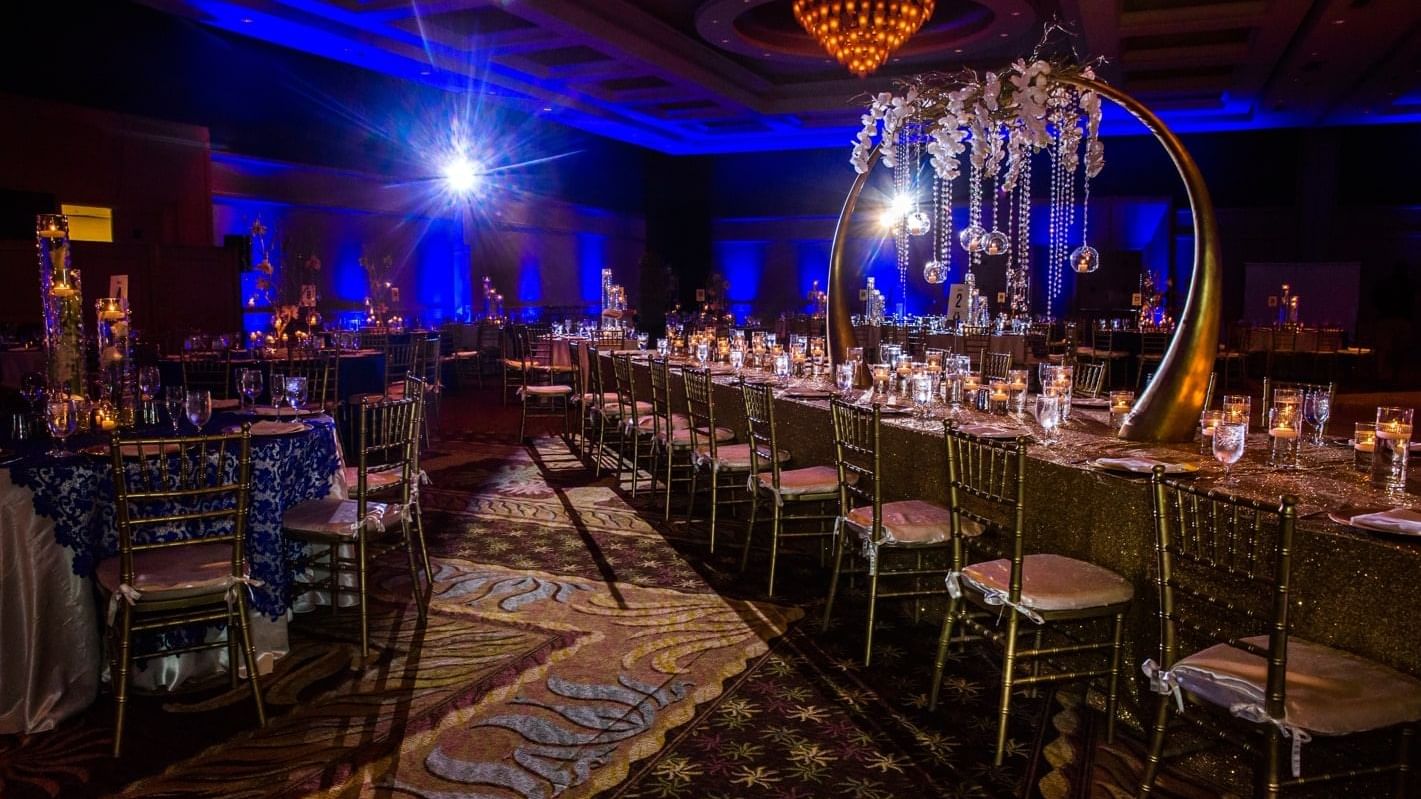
<point x="199" y="407"/>
<point x="32" y="389"/>
<point x="249" y="382"/>
<point x="1048" y="415"/>
<point x="173" y="399"/>
<point x="1230" y="439"/>
<point x="62" y="417"/>
<point x="150" y="381"/>
<point x="1317" y="406"/>
<point x="278" y="392"/>
<point x="296" y="393"/>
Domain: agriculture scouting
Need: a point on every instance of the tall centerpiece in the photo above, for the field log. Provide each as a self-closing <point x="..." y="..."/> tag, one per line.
<point x="118" y="381"/>
<point x="62" y="298"/>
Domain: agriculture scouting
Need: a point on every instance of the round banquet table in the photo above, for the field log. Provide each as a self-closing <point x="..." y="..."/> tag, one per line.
<point x="1350" y="585"/>
<point x="359" y="371"/>
<point x="57" y="523"/>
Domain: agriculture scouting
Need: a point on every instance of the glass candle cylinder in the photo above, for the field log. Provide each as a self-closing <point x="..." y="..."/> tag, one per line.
<point x="1238" y="408"/>
<point x="1364" y="442"/>
<point x="62" y="302"/>
<point x="1393" y="444"/>
<point x="1208" y="420"/>
<point x="1121" y="403"/>
<point x="1017" y="382"/>
<point x="118" y="383"/>
<point x="1285" y="428"/>
<point x="997" y="397"/>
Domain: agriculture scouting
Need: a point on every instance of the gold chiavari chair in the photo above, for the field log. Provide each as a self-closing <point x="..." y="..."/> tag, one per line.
<point x="400" y="355"/>
<point x="673" y="432"/>
<point x="986" y="483"/>
<point x="371" y="340"/>
<point x="582" y="399"/>
<point x="1152" y="349"/>
<point x="887" y="530"/>
<point x="201" y="484"/>
<point x="726" y="464"/>
<point x="1089" y="379"/>
<point x="1226" y="598"/>
<point x="995" y="365"/>
<point x="210" y="371"/>
<point x="812" y="488"/>
<point x="603" y="408"/>
<point x="1270" y="385"/>
<point x="544" y="396"/>
<point x="1102" y="350"/>
<point x="322" y="372"/>
<point x="638" y="423"/>
<point x="387" y="443"/>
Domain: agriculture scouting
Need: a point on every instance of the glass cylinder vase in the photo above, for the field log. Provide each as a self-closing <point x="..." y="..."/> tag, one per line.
<point x="62" y="300"/>
<point x="118" y="382"/>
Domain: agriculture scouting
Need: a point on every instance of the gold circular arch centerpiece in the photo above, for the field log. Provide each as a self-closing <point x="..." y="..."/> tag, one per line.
<point x="1169" y="409"/>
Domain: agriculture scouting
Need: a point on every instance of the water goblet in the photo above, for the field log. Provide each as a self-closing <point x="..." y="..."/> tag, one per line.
<point x="296" y="393"/>
<point x="61" y="416"/>
<point x="173" y="398"/>
<point x="1317" y="406"/>
<point x="249" y="382"/>
<point x="198" y="405"/>
<point x="844" y="377"/>
<point x="1048" y="415"/>
<point x="737" y="359"/>
<point x="1230" y="439"/>
<point x="278" y="392"/>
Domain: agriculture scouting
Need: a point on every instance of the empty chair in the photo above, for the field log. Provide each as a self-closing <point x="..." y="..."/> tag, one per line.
<point x="672" y="433"/>
<point x="995" y="365"/>
<point x="209" y="371"/>
<point x="726" y="465"/>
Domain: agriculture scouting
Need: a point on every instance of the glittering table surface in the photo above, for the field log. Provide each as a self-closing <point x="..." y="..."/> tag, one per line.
<point x="1352" y="587"/>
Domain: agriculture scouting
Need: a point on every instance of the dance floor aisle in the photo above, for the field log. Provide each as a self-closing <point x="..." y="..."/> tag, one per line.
<point x="576" y="647"/>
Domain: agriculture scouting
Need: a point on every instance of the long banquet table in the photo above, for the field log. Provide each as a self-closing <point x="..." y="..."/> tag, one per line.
<point x="359" y="371"/>
<point x="57" y="522"/>
<point x="1352" y="587"/>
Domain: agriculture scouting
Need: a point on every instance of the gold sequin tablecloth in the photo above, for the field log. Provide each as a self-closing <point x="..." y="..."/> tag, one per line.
<point x="1353" y="589"/>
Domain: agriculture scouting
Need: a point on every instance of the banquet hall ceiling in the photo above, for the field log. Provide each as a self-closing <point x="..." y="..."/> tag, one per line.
<point x="703" y="76"/>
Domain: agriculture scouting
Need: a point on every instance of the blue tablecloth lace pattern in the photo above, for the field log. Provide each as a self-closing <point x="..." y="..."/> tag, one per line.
<point x="78" y="494"/>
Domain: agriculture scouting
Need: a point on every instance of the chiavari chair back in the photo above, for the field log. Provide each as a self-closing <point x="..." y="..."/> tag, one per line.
<point x="637" y="419"/>
<point x="202" y="486"/>
<point x="400" y="349"/>
<point x="322" y="372"/>
<point x="886" y="532"/>
<point x="1089" y="378"/>
<point x="995" y="365"/>
<point x="986" y="494"/>
<point x="208" y="371"/>
<point x="726" y="464"/>
<point x="387" y="458"/>
<point x="1224" y="576"/>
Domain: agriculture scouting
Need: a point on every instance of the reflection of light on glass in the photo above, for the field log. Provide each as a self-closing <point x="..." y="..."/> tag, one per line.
<point x="896" y="210"/>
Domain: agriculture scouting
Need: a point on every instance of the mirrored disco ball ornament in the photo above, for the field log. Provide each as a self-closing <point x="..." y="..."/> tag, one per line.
<point x="935" y="272"/>
<point x="971" y="238"/>
<point x="995" y="243"/>
<point x="1085" y="259"/>
<point x="918" y="223"/>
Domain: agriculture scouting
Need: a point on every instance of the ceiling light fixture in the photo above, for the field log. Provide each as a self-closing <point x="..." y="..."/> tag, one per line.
<point x="862" y="34"/>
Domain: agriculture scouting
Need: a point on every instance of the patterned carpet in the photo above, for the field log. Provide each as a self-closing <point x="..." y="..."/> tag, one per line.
<point x="575" y="647"/>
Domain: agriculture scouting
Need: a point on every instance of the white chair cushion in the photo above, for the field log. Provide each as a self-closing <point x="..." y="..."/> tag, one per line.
<point x="1053" y="582"/>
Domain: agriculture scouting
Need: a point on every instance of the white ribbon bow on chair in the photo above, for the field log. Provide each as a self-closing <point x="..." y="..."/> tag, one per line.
<point x="993" y="597"/>
<point x="1163" y="681"/>
<point x="1251" y="711"/>
<point x="236" y="584"/>
<point x="124" y="593"/>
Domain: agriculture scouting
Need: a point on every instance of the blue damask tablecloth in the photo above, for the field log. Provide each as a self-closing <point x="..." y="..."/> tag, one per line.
<point x="78" y="494"/>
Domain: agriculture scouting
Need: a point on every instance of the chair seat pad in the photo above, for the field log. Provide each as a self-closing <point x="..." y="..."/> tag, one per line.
<point x="1328" y="691"/>
<point x="805" y="482"/>
<point x="546" y="391"/>
<point x="374" y="479"/>
<point x="532" y="365"/>
<point x="174" y="572"/>
<point x="614" y="409"/>
<point x="606" y="398"/>
<point x="908" y="521"/>
<point x="336" y="517"/>
<point x="733" y="457"/>
<point x="681" y="436"/>
<point x="1053" y="582"/>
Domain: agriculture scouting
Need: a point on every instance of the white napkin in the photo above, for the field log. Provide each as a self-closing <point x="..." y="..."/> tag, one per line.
<point x="989" y="431"/>
<point x="1396" y="520"/>
<point x="265" y="428"/>
<point x="1142" y="465"/>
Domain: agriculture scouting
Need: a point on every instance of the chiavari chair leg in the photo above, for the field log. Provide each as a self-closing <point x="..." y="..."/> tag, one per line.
<point x="749" y="532"/>
<point x="655" y="467"/>
<point x="1403" y="761"/>
<point x="601" y="447"/>
<point x="872" y="615"/>
<point x="943" y="642"/>
<point x="423" y="545"/>
<point x="335" y="579"/>
<point x="1271" y="774"/>
<point x="523" y="421"/>
<point x="360" y="575"/>
<point x="1112" y="698"/>
<point x="636" y="461"/>
<point x="839" y="536"/>
<point x="250" y="650"/>
<point x="1008" y="676"/>
<point x="233" y="646"/>
<point x="691" y="498"/>
<point x="714" y="501"/>
<point x="775" y="522"/>
<point x="120" y="683"/>
<point x="1155" y="755"/>
<point x="414" y="568"/>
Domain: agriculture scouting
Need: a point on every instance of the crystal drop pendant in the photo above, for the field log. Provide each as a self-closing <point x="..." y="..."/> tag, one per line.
<point x="971" y="238"/>
<point x="917" y="223"/>
<point x="995" y="243"/>
<point x="935" y="272"/>
<point x="1084" y="259"/>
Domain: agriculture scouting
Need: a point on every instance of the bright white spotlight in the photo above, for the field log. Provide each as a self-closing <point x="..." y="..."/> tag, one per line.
<point x="462" y="175"/>
<point x="896" y="210"/>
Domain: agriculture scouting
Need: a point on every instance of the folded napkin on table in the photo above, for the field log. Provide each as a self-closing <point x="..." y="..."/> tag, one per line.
<point x="1396" y="520"/>
<point x="1141" y="464"/>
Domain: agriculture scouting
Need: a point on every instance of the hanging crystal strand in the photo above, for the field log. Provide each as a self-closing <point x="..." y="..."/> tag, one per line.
<point x="935" y="270"/>
<point x="900" y="233"/>
<point x="1021" y="300"/>
<point x="996" y="242"/>
<point x="1053" y="262"/>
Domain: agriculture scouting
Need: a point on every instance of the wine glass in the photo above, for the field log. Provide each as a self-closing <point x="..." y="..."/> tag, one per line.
<point x="32" y="388"/>
<point x="702" y="352"/>
<point x="278" y="392"/>
<point x="199" y="407"/>
<point x="844" y="374"/>
<point x="1317" y="406"/>
<point x="737" y="359"/>
<point x="62" y="417"/>
<point x="296" y="393"/>
<point x="173" y="399"/>
<point x="249" y="382"/>
<point x="1048" y="415"/>
<point x="1230" y="439"/>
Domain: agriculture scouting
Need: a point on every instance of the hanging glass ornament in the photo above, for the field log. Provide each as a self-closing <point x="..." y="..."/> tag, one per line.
<point x="1084" y="259"/>
<point x="918" y="223"/>
<point x="995" y="243"/>
<point x="935" y="272"/>
<point x="971" y="238"/>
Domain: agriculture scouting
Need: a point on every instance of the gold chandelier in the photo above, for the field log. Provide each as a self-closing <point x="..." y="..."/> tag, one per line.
<point x="861" y="34"/>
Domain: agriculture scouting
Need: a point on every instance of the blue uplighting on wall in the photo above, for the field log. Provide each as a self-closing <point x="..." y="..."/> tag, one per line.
<point x="741" y="264"/>
<point x="530" y="277"/>
<point x="591" y="259"/>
